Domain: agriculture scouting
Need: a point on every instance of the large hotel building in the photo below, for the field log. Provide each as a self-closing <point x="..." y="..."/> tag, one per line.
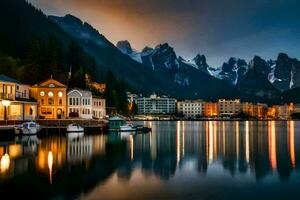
<point x="190" y="108"/>
<point x="156" y="105"/>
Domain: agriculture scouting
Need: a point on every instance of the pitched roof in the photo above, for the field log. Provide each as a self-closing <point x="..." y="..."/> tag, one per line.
<point x="49" y="83"/>
<point x="7" y="79"/>
<point x="83" y="93"/>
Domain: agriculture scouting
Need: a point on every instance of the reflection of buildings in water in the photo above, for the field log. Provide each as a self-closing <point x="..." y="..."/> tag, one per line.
<point x="247" y="145"/>
<point x="291" y="140"/>
<point x="57" y="146"/>
<point x="238" y="146"/>
<point x="50" y="164"/>
<point x="272" y="144"/>
<point x="131" y="147"/>
<point x="79" y="149"/>
<point x="4" y="163"/>
<point x="16" y="156"/>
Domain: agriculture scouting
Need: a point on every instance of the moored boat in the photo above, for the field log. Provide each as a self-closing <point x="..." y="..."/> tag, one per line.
<point x="75" y="128"/>
<point x="28" y="128"/>
<point x="128" y="128"/>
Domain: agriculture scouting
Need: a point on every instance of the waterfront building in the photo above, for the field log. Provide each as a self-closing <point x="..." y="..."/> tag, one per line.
<point x="115" y="122"/>
<point x="99" y="107"/>
<point x="80" y="103"/>
<point x="210" y="109"/>
<point x="272" y="112"/>
<point x="15" y="102"/>
<point x="258" y="110"/>
<point x="285" y="111"/>
<point x="190" y="108"/>
<point x="156" y="105"/>
<point x="51" y="96"/>
<point x="248" y="109"/>
<point x="229" y="107"/>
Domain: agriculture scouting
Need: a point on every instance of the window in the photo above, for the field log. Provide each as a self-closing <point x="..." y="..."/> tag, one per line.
<point x="50" y="101"/>
<point x="46" y="111"/>
<point x="42" y="101"/>
<point x="60" y="94"/>
<point x="70" y="101"/>
<point x="60" y="102"/>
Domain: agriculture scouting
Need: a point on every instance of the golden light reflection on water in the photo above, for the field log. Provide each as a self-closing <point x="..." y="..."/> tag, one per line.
<point x="50" y="165"/>
<point x="232" y="145"/>
<point x="178" y="141"/>
<point x="4" y="163"/>
<point x="247" y="146"/>
<point x="291" y="139"/>
<point x="272" y="144"/>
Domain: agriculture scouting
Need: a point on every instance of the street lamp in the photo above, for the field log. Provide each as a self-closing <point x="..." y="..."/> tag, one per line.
<point x="5" y="103"/>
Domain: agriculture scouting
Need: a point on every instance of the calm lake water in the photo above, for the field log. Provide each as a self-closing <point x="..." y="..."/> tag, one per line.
<point x="178" y="160"/>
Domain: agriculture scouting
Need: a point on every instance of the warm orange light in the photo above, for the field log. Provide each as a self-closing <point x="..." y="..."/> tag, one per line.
<point x="272" y="144"/>
<point x="4" y="163"/>
<point x="50" y="165"/>
<point x="5" y="103"/>
<point x="291" y="139"/>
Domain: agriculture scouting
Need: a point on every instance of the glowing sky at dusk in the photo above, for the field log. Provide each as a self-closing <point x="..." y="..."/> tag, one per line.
<point x="218" y="29"/>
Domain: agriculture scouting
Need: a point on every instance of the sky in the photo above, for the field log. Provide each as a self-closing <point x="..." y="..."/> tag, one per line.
<point x="219" y="29"/>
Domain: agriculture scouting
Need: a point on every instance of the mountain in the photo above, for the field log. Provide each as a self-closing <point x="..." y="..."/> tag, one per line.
<point x="126" y="49"/>
<point x="257" y="88"/>
<point x="107" y="56"/>
<point x="233" y="70"/>
<point x="152" y="70"/>
<point x="35" y="45"/>
<point x="286" y="73"/>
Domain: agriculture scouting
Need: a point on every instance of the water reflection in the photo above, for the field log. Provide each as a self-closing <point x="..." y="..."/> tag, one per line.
<point x="174" y="152"/>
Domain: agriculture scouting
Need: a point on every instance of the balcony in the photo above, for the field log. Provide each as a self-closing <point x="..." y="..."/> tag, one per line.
<point x="6" y="96"/>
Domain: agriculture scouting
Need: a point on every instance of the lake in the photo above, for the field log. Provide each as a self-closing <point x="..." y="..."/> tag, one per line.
<point x="177" y="160"/>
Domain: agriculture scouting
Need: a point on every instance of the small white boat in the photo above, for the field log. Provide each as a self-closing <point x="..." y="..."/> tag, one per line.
<point x="28" y="128"/>
<point x="75" y="128"/>
<point x="128" y="128"/>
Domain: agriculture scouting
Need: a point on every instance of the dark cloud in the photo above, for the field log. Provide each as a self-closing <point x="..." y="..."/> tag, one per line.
<point x="219" y="29"/>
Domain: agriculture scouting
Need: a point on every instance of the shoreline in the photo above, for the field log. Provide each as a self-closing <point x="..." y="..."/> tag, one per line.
<point x="197" y="120"/>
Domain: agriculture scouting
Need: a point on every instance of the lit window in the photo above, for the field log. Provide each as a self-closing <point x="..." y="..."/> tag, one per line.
<point x="42" y="93"/>
<point x="50" y="94"/>
<point x="60" y="94"/>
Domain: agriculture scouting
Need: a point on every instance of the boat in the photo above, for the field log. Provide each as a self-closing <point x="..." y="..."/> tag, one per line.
<point x="75" y="128"/>
<point x="27" y="128"/>
<point x="128" y="128"/>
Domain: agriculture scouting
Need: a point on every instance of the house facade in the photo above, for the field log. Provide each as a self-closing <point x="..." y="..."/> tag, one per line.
<point x="80" y="103"/>
<point x="190" y="108"/>
<point x="99" y="107"/>
<point x="15" y="102"/>
<point x="229" y="107"/>
<point x="51" y="97"/>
